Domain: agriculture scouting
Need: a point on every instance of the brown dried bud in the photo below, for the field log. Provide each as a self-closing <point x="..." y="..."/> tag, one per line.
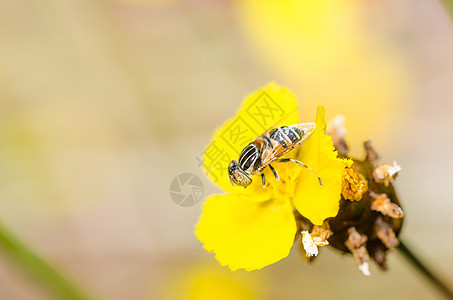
<point x="354" y="183"/>
<point x="371" y="154"/>
<point x="321" y="233"/>
<point x="383" y="205"/>
<point x="384" y="173"/>
<point x="356" y="243"/>
<point x="386" y="234"/>
<point x="336" y="130"/>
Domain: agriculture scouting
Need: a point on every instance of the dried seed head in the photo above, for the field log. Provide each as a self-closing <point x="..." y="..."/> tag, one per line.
<point x="370" y="216"/>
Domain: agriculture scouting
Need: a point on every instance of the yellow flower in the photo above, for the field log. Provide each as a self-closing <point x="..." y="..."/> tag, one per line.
<point x="206" y="282"/>
<point x="253" y="227"/>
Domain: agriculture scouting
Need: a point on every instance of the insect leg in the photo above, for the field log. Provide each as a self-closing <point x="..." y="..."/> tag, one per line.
<point x="275" y="172"/>
<point x="264" y="180"/>
<point x="300" y="164"/>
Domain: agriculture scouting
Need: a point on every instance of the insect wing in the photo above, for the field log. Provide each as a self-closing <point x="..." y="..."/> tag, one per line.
<point x="302" y="131"/>
<point x="307" y="129"/>
<point x="263" y="138"/>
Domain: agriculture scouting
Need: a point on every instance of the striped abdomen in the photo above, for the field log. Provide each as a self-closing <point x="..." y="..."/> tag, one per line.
<point x="273" y="144"/>
<point x="287" y="136"/>
<point x="281" y="140"/>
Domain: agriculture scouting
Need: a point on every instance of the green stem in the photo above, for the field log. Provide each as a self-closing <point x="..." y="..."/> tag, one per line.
<point x="413" y="259"/>
<point x="38" y="267"/>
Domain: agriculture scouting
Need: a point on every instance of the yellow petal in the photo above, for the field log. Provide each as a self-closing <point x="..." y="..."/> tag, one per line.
<point x="275" y="189"/>
<point x="246" y="234"/>
<point x="314" y="201"/>
<point x="258" y="113"/>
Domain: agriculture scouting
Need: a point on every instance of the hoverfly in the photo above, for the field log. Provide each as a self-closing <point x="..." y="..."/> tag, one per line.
<point x="269" y="147"/>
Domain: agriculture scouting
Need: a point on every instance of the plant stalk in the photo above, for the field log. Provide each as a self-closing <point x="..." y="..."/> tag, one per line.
<point x="36" y="266"/>
<point x="420" y="266"/>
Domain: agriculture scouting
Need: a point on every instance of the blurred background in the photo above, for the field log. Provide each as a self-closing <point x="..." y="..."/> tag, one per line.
<point x="103" y="103"/>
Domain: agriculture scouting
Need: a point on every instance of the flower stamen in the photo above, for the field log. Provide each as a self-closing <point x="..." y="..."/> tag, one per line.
<point x="354" y="183"/>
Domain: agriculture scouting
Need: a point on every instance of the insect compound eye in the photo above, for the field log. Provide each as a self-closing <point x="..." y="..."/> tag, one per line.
<point x="248" y="157"/>
<point x="231" y="167"/>
<point x="239" y="177"/>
